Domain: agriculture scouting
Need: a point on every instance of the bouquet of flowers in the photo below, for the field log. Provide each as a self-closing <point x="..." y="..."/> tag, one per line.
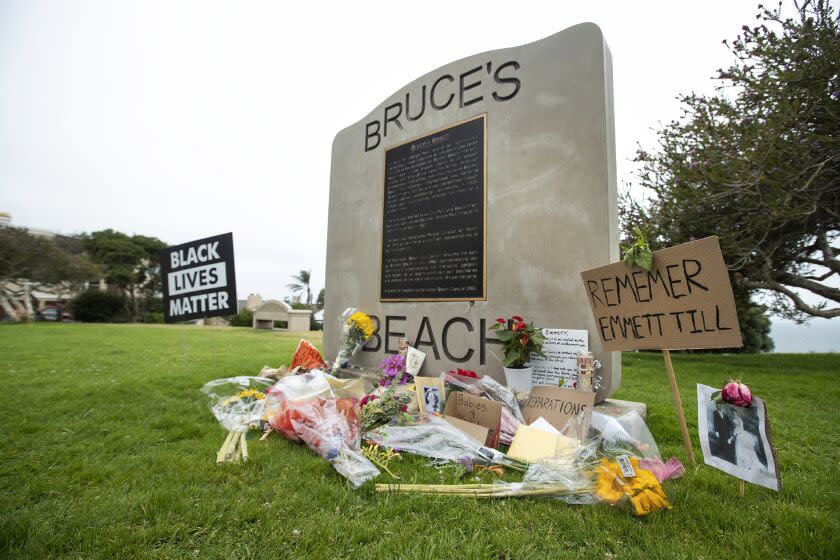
<point x="306" y="408"/>
<point x="356" y="330"/>
<point x="631" y="486"/>
<point x="379" y="410"/>
<point x="238" y="404"/>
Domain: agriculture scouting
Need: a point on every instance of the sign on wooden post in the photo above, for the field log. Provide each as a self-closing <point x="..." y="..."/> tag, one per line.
<point x="685" y="301"/>
<point x="199" y="279"/>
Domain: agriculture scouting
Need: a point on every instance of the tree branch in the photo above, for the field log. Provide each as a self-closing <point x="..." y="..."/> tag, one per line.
<point x="799" y="282"/>
<point x="774" y="286"/>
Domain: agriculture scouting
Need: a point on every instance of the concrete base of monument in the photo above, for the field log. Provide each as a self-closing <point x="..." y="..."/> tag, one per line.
<point x="616" y="407"/>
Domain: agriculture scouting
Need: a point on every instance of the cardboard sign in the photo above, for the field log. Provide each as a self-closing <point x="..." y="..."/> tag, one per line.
<point x="198" y="279"/>
<point x="559" y="366"/>
<point x="684" y="301"/>
<point x="476" y="410"/>
<point x="558" y="406"/>
<point x="478" y="433"/>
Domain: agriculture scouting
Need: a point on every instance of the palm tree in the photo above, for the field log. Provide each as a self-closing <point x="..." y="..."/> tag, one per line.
<point x="301" y="283"/>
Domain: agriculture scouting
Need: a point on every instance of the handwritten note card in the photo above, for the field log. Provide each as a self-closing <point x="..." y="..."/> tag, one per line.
<point x="559" y="367"/>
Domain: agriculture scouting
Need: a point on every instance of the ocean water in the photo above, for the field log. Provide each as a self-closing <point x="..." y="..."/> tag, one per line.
<point x="817" y="335"/>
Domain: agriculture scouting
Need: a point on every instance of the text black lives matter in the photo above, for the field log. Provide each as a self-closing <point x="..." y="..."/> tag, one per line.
<point x="199" y="279"/>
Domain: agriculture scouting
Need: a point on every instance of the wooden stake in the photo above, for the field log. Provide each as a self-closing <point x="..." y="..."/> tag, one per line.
<point x="678" y="404"/>
<point x="742" y="488"/>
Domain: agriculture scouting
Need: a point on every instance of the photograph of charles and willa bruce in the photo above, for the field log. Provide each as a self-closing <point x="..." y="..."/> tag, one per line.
<point x="736" y="439"/>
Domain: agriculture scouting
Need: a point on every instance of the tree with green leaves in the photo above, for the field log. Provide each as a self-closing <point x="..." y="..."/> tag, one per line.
<point x="37" y="260"/>
<point x="130" y="263"/>
<point x="301" y="284"/>
<point x="758" y="164"/>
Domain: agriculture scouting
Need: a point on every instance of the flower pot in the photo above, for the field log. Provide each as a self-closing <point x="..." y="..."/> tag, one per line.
<point x="519" y="379"/>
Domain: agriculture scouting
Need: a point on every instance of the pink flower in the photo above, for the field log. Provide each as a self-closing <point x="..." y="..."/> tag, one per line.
<point x="737" y="393"/>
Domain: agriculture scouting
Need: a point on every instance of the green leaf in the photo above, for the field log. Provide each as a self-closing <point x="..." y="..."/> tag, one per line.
<point x="504" y="335"/>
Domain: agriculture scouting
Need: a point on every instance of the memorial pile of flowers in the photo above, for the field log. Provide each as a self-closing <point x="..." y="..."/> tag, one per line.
<point x="362" y="422"/>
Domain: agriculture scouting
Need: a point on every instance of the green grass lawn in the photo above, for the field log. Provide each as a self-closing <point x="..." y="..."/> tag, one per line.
<point x="108" y="451"/>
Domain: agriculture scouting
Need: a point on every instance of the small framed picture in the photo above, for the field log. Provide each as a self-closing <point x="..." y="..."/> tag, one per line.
<point x="431" y="395"/>
<point x="736" y="440"/>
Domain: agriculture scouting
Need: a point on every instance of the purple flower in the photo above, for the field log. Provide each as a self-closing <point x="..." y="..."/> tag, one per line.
<point x="393" y="370"/>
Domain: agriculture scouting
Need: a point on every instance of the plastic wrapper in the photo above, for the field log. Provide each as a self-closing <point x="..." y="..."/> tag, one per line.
<point x="490" y="388"/>
<point x="237" y="402"/>
<point x="323" y="412"/>
<point x="629" y="435"/>
<point x="570" y="480"/>
<point x="624" y="483"/>
<point x="625" y="434"/>
<point x="585" y="478"/>
<point x="434" y="437"/>
<point x="356" y="329"/>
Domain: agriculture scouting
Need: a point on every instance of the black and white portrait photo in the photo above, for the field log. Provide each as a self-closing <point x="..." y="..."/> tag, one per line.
<point x="432" y="399"/>
<point x="736" y="439"/>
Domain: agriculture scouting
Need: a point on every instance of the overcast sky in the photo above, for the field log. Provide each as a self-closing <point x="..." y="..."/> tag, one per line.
<point x="181" y="120"/>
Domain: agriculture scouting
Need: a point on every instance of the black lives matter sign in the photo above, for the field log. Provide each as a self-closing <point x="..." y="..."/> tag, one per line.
<point x="198" y="279"/>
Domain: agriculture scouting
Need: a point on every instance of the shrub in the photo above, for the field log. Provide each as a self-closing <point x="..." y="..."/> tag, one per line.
<point x="153" y="317"/>
<point x="244" y="318"/>
<point x="94" y="306"/>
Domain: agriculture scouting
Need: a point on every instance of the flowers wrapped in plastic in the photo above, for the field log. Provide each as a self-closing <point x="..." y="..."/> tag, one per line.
<point x="629" y="435"/>
<point x="619" y="484"/>
<point x="322" y="411"/>
<point x="238" y="404"/>
<point x="357" y="328"/>
<point x="587" y="476"/>
<point x="434" y="437"/>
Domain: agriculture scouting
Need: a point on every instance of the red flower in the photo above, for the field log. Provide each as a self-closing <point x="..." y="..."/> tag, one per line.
<point x="367" y="399"/>
<point x="525" y="338"/>
<point x="518" y="318"/>
<point x="501" y="320"/>
<point x="518" y="326"/>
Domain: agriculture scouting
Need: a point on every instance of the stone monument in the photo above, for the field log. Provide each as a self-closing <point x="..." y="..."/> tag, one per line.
<point x="479" y="190"/>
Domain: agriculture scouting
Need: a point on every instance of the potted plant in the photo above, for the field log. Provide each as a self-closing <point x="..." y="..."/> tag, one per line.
<point x="519" y="341"/>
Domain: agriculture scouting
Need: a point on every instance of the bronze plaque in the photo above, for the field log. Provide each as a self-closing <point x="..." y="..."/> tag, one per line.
<point x="434" y="218"/>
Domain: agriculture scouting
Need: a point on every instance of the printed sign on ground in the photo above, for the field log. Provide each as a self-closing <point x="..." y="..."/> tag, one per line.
<point x="684" y="301"/>
<point x="199" y="279"/>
